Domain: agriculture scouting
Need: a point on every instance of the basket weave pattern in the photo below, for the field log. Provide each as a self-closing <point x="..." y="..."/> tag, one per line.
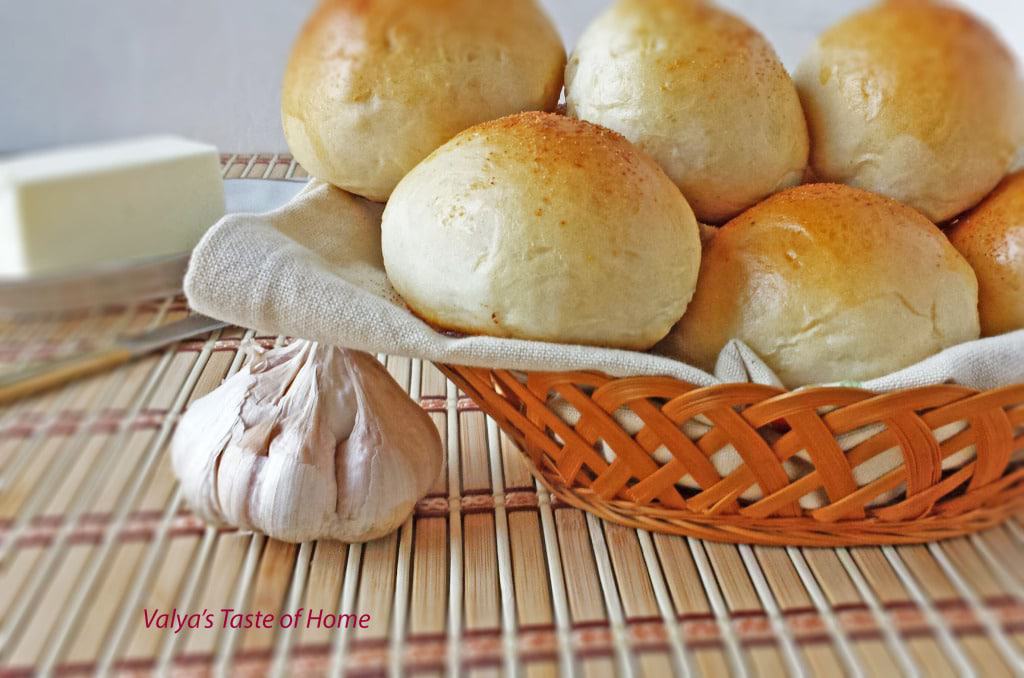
<point x="637" y="490"/>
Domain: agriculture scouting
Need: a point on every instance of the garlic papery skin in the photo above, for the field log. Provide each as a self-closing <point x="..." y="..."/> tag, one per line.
<point x="307" y="442"/>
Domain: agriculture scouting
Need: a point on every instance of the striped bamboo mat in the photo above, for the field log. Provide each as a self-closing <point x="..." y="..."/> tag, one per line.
<point x="491" y="576"/>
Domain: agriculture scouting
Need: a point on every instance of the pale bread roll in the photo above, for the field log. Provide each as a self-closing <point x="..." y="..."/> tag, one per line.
<point x="373" y="87"/>
<point x="698" y="89"/>
<point x="829" y="283"/>
<point x="916" y="100"/>
<point x="991" y="238"/>
<point x="543" y="227"/>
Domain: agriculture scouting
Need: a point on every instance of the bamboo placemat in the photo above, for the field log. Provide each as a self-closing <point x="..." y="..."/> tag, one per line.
<point x="491" y="576"/>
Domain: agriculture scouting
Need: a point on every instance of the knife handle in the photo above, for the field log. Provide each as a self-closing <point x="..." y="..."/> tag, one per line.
<point x="32" y="380"/>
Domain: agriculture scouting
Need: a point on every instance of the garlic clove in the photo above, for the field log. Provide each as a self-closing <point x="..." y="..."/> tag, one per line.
<point x="308" y="442"/>
<point x="208" y="427"/>
<point x="393" y="454"/>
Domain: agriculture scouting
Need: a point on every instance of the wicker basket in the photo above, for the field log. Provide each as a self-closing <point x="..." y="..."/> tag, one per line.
<point x="766" y="426"/>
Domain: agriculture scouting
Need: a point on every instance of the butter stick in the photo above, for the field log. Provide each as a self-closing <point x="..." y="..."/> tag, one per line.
<point x="76" y="209"/>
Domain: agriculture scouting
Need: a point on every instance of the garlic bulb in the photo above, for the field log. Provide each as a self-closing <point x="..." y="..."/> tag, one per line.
<point x="307" y="442"/>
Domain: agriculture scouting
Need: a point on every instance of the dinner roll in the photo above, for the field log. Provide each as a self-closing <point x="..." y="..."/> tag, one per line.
<point x="829" y="283"/>
<point x="699" y="90"/>
<point x="992" y="240"/>
<point x="916" y="100"/>
<point x="538" y="226"/>
<point x="373" y="87"/>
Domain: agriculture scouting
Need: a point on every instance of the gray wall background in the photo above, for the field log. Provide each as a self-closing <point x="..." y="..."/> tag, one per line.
<point x="83" y="70"/>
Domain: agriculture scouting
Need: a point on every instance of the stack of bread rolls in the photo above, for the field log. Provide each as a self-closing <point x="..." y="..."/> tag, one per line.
<point x="850" y="218"/>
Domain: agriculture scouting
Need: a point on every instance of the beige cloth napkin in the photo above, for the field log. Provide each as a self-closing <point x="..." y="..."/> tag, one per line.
<point x="313" y="269"/>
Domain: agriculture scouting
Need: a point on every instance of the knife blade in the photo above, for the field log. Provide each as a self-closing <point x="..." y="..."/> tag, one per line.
<point x="40" y="377"/>
<point x="147" y="342"/>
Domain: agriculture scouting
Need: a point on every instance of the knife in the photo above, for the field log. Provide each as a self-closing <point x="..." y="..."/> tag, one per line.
<point x="43" y="376"/>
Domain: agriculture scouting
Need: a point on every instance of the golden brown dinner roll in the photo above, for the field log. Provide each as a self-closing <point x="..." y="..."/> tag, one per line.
<point x="699" y="90"/>
<point x="373" y="87"/>
<point x="992" y="240"/>
<point x="829" y="283"/>
<point x="538" y="226"/>
<point x="916" y="100"/>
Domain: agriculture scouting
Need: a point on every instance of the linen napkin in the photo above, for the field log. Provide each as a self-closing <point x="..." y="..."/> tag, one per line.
<point x="313" y="269"/>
